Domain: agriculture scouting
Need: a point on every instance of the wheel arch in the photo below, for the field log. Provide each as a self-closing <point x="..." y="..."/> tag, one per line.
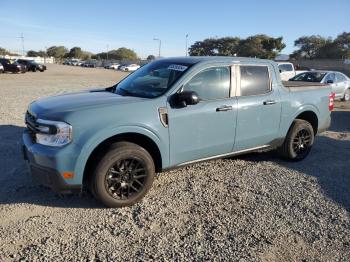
<point x="134" y="137"/>
<point x="308" y="113"/>
<point x="311" y="117"/>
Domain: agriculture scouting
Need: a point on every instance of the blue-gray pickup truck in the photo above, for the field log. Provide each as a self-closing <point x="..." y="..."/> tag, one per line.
<point x="169" y="113"/>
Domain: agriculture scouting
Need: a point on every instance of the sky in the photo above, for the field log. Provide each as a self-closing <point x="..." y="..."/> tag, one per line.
<point x="96" y="26"/>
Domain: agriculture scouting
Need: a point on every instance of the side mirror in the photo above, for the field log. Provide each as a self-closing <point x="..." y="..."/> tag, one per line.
<point x="185" y="98"/>
<point x="280" y="70"/>
<point x="330" y="82"/>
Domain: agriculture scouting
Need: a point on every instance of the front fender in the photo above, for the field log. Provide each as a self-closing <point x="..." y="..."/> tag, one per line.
<point x="106" y="133"/>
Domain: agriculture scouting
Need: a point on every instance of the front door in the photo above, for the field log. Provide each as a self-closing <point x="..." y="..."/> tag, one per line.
<point x="208" y="128"/>
<point x="258" y="109"/>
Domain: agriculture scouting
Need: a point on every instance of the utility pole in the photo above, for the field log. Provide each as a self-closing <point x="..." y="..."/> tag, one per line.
<point x="22" y="40"/>
<point x="45" y="55"/>
<point x="186" y="51"/>
<point x="160" y="45"/>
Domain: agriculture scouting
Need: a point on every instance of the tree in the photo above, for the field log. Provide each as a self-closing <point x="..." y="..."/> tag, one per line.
<point x="118" y="54"/>
<point x="57" y="51"/>
<point x="343" y="43"/>
<point x="151" y="57"/>
<point x="75" y="52"/>
<point x="309" y="46"/>
<point x="329" y="50"/>
<point x="33" y="53"/>
<point x="125" y="54"/>
<point x="228" y="46"/>
<point x="261" y="46"/>
<point x="86" y="55"/>
<point x="203" y="48"/>
<point x="3" y="51"/>
<point x="316" y="46"/>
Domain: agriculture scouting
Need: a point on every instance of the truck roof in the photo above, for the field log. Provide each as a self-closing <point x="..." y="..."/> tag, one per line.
<point x="198" y="59"/>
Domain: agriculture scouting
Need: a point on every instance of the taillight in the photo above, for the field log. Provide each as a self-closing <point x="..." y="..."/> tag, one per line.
<point x="331" y="101"/>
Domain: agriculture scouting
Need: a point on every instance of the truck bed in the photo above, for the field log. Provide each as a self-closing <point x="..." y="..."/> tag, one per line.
<point x="300" y="85"/>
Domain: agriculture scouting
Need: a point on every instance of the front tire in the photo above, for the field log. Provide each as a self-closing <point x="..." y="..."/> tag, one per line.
<point x="124" y="175"/>
<point x="298" y="142"/>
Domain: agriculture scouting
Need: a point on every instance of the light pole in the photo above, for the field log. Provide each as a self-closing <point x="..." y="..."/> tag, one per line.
<point x="186" y="51"/>
<point x="107" y="52"/>
<point x="160" y="45"/>
<point x="22" y="41"/>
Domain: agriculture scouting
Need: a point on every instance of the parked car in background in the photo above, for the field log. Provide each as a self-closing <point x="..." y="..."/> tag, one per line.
<point x="170" y="113"/>
<point x="287" y="70"/>
<point x="32" y="65"/>
<point x="131" y="67"/>
<point x="339" y="82"/>
<point x="114" y="66"/>
<point x="91" y="63"/>
<point x="12" y="66"/>
<point x="75" y="62"/>
<point x="1" y="68"/>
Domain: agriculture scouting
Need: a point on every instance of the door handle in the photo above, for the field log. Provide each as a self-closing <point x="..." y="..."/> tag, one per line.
<point x="223" y="108"/>
<point x="269" y="102"/>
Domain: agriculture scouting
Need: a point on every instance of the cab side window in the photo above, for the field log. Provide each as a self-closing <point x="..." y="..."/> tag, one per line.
<point x="255" y="80"/>
<point x="212" y="83"/>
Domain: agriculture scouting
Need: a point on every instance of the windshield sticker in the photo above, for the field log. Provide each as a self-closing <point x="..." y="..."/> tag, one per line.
<point x="177" y="67"/>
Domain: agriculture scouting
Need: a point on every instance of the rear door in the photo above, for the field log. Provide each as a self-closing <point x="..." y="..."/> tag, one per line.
<point x="208" y="128"/>
<point x="259" y="107"/>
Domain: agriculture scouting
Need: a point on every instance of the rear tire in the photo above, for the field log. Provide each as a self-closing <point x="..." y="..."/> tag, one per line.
<point x="298" y="142"/>
<point x="124" y="175"/>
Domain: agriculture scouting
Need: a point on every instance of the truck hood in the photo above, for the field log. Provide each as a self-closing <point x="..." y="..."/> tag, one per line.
<point x="66" y="103"/>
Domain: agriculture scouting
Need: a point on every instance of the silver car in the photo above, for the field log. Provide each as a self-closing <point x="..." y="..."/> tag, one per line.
<point x="339" y="82"/>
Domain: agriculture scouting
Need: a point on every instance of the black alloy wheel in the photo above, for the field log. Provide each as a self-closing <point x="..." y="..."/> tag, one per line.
<point x="298" y="142"/>
<point x="125" y="178"/>
<point x="301" y="142"/>
<point x="124" y="175"/>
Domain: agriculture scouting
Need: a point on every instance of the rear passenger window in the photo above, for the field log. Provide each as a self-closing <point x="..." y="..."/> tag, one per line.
<point x="211" y="83"/>
<point x="254" y="80"/>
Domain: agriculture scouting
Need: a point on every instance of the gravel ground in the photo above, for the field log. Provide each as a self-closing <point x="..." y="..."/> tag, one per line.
<point x="250" y="208"/>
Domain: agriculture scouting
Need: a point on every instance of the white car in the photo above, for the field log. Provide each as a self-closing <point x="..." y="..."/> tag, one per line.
<point x="287" y="70"/>
<point x="114" y="66"/>
<point x="132" y="67"/>
<point x="339" y="82"/>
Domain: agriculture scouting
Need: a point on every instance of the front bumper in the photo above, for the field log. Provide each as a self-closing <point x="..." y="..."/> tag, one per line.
<point x="46" y="165"/>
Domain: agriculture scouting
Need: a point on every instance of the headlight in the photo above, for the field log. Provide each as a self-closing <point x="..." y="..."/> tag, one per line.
<point x="53" y="133"/>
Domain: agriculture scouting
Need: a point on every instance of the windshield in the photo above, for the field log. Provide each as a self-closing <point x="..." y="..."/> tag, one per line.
<point x="152" y="80"/>
<point x="309" y="77"/>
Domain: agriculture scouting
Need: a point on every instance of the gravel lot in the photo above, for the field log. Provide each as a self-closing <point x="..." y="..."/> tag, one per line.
<point x="251" y="208"/>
